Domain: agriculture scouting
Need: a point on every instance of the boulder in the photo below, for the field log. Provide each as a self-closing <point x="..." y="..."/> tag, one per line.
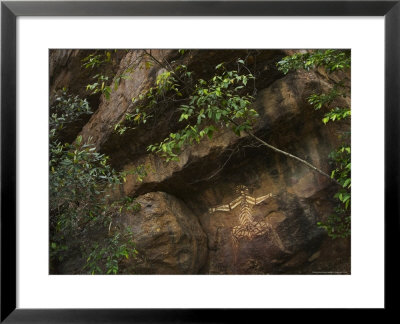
<point x="167" y="235"/>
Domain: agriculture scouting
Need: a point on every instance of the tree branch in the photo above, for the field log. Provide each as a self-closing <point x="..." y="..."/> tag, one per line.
<point x="312" y="167"/>
<point x="309" y="165"/>
<point x="163" y="65"/>
<point x="217" y="171"/>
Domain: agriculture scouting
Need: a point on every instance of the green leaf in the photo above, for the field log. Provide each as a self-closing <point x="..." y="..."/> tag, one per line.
<point x="116" y="84"/>
<point x="347" y="182"/>
<point x="346" y="198"/>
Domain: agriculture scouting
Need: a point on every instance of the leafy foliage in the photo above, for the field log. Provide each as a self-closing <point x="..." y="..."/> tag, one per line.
<point x="327" y="101"/>
<point x="105" y="258"/>
<point x="96" y="59"/>
<point x="224" y="100"/>
<point x="338" y="224"/>
<point x="336" y="113"/>
<point x="100" y="86"/>
<point x="213" y="103"/>
<point x="332" y="60"/>
<point x="204" y="107"/>
<point x="166" y="90"/>
<point x="81" y="213"/>
<point x="103" y="82"/>
<point x="342" y="172"/>
<point x="207" y="105"/>
<point x="66" y="109"/>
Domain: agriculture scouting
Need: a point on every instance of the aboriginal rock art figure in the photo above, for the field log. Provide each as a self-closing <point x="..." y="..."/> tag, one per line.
<point x="248" y="228"/>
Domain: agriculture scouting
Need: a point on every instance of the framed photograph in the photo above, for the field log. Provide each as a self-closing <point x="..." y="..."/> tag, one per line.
<point x="163" y="159"/>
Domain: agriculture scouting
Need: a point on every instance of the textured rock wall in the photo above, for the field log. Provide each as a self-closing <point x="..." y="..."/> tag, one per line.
<point x="169" y="236"/>
<point x="175" y="232"/>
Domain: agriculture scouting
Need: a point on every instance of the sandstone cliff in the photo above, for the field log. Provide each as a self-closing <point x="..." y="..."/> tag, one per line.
<point x="175" y="231"/>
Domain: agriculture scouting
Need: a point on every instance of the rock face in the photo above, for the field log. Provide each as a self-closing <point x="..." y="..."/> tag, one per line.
<point x="168" y="236"/>
<point x="175" y="232"/>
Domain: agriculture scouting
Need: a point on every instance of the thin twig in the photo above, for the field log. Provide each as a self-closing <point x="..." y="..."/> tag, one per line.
<point x="287" y="154"/>
<point x="216" y="172"/>
<point x="293" y="157"/>
<point x="163" y="65"/>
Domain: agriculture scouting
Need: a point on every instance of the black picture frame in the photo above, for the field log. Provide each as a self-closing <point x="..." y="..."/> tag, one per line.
<point x="11" y="10"/>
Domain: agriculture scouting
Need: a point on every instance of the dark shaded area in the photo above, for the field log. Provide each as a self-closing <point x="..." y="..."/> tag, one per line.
<point x="126" y="148"/>
<point x="67" y="70"/>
